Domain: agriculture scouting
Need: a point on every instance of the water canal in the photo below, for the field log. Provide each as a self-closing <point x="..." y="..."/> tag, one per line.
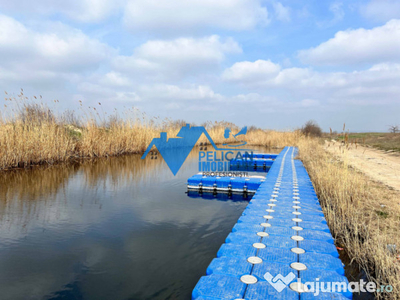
<point x="117" y="228"/>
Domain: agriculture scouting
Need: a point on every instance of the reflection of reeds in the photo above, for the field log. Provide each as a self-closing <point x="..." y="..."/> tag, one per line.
<point x="32" y="133"/>
<point x="26" y="195"/>
<point x="37" y="194"/>
<point x="358" y="214"/>
<point x="34" y="183"/>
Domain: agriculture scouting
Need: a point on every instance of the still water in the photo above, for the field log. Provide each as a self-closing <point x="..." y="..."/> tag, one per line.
<point x="117" y="228"/>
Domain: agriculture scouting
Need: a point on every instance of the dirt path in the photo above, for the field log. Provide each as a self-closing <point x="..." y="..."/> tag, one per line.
<point x="377" y="164"/>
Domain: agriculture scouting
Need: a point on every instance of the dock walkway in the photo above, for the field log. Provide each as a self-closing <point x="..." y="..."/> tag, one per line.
<point x="280" y="242"/>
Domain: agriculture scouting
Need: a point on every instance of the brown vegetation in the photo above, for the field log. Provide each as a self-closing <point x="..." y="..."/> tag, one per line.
<point x="363" y="216"/>
<point x="311" y="128"/>
<point x="31" y="133"/>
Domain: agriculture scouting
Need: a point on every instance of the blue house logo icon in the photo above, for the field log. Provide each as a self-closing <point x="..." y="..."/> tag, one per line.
<point x="175" y="150"/>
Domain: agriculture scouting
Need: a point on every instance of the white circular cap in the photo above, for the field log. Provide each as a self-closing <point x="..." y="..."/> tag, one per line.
<point x="274" y="195"/>
<point x="269" y="210"/>
<point x="268" y="217"/>
<point x="262" y="234"/>
<point x="296" y="202"/>
<point x="295" y="197"/>
<point x="297" y="228"/>
<point x="297" y="213"/>
<point x="254" y="260"/>
<point x="297" y="220"/>
<point x="298" y="266"/>
<point x="297" y="238"/>
<point x="271" y="204"/>
<point x="295" y="190"/>
<point x="273" y="200"/>
<point x="265" y="225"/>
<point x="298" y="287"/>
<point x="275" y="192"/>
<point x="296" y="194"/>
<point x="248" y="279"/>
<point x="259" y="245"/>
<point x="276" y="189"/>
<point x="296" y="207"/>
<point x="298" y="250"/>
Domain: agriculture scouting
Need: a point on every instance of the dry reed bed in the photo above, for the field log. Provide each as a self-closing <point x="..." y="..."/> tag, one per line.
<point x="23" y="145"/>
<point x="31" y="133"/>
<point x="363" y="216"/>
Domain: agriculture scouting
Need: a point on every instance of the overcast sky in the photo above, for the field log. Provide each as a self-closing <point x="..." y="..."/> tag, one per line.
<point x="273" y="64"/>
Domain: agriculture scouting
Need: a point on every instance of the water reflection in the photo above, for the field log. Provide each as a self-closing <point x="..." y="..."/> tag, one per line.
<point x="120" y="228"/>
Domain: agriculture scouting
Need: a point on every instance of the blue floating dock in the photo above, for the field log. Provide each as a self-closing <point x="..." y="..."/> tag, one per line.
<point x="255" y="163"/>
<point x="265" y="155"/>
<point x="282" y="232"/>
<point x="202" y="183"/>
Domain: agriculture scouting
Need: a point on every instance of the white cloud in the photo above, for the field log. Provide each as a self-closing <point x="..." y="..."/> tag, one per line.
<point x="30" y="55"/>
<point x="251" y="72"/>
<point x="359" y="46"/>
<point x="115" y="79"/>
<point x="252" y="98"/>
<point x="381" y="10"/>
<point x="167" y="91"/>
<point x="380" y="83"/>
<point x="175" y="17"/>
<point x="309" y="103"/>
<point x="109" y="96"/>
<point x="78" y="10"/>
<point x="282" y="13"/>
<point x="177" y="58"/>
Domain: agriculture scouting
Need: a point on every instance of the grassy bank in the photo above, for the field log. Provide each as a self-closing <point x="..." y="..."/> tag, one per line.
<point x="380" y="140"/>
<point x="363" y="216"/>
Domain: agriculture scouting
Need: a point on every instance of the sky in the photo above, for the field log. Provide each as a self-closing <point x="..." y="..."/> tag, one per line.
<point x="271" y="64"/>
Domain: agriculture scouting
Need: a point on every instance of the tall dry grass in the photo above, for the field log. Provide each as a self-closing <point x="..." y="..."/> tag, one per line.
<point x="273" y="139"/>
<point x="31" y="133"/>
<point x="363" y="216"/>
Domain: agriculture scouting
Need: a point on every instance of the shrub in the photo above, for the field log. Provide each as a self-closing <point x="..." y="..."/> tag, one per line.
<point x="311" y="128"/>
